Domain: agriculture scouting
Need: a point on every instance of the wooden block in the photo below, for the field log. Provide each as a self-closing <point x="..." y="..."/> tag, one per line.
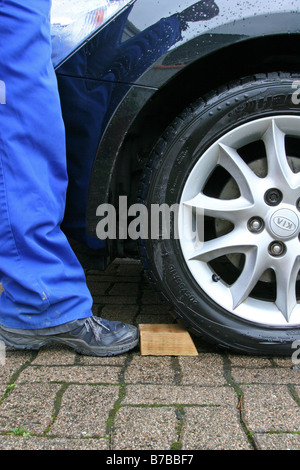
<point x="166" y="340"/>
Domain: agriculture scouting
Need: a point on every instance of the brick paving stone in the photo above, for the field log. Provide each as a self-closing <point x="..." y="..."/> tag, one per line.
<point x="124" y="313"/>
<point x="277" y="441"/>
<point x="270" y="408"/>
<point x="249" y="361"/>
<point x="145" y="428"/>
<point x="123" y="288"/>
<point x="174" y="394"/>
<point x="204" y="369"/>
<point x="297" y="390"/>
<point x="267" y="376"/>
<point x="98" y="288"/>
<point x="84" y="411"/>
<point x="3" y="388"/>
<point x="104" y="361"/>
<point x="55" y="354"/>
<point x="29" y="406"/>
<point x="284" y="362"/>
<point x="149" y="369"/>
<point x="79" y="374"/>
<point x="213" y="428"/>
<point x="115" y="300"/>
<point x="129" y="269"/>
<point x="46" y="443"/>
<point x="13" y="362"/>
<point x="6" y="372"/>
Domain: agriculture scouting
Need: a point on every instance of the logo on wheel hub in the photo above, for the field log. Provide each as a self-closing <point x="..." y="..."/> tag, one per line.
<point x="284" y="223"/>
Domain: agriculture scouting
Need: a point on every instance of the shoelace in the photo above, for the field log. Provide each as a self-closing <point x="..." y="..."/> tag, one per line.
<point x="90" y="325"/>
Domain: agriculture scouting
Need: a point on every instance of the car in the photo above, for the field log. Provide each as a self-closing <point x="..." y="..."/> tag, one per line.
<point x="184" y="117"/>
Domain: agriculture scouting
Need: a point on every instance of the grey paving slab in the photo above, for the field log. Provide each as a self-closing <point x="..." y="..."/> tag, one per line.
<point x="111" y="299"/>
<point x="277" y="441"/>
<point x="55" y="355"/>
<point x="205" y="369"/>
<point x="48" y="443"/>
<point x="145" y="428"/>
<point x="124" y="313"/>
<point x="266" y="375"/>
<point x="213" y="428"/>
<point x="270" y="408"/>
<point x="29" y="407"/>
<point x="89" y="374"/>
<point x="149" y="369"/>
<point x="84" y="411"/>
<point x="123" y="288"/>
<point x="175" y="394"/>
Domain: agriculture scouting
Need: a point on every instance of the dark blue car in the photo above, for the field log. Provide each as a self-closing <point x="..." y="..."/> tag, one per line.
<point x="183" y="123"/>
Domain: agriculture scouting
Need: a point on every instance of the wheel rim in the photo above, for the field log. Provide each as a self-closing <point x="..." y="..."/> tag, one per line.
<point x="239" y="221"/>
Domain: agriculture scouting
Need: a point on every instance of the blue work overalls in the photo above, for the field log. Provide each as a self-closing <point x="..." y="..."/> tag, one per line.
<point x="44" y="284"/>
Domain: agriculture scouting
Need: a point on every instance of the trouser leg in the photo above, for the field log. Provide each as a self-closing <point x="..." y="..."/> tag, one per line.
<point x="43" y="280"/>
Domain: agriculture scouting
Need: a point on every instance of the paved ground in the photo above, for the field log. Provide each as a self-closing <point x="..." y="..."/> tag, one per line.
<point x="56" y="399"/>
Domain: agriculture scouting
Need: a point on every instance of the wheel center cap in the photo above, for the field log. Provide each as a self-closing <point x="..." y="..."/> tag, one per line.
<point x="284" y="223"/>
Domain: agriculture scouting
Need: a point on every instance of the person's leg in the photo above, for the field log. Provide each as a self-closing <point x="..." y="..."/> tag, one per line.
<point x="43" y="281"/>
<point x="44" y="284"/>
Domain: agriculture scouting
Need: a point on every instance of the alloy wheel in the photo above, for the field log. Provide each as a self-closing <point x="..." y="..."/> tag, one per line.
<point x="241" y="243"/>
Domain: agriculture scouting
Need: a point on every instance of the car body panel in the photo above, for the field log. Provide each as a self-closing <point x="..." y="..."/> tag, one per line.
<point x="74" y="25"/>
<point x="107" y="83"/>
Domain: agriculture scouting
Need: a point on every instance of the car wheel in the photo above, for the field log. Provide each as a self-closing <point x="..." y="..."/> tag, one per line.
<point x="229" y="168"/>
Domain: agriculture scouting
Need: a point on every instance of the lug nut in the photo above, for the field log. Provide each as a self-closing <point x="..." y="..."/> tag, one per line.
<point x="255" y="224"/>
<point x="273" y="197"/>
<point x="277" y="248"/>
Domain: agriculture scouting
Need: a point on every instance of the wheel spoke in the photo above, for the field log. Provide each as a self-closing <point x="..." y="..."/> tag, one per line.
<point x="225" y="245"/>
<point x="286" y="279"/>
<point x="228" y="209"/>
<point x="253" y="270"/>
<point x="239" y="170"/>
<point x="278" y="167"/>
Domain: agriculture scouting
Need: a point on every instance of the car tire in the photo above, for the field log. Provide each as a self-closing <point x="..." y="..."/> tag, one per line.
<point x="230" y="164"/>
